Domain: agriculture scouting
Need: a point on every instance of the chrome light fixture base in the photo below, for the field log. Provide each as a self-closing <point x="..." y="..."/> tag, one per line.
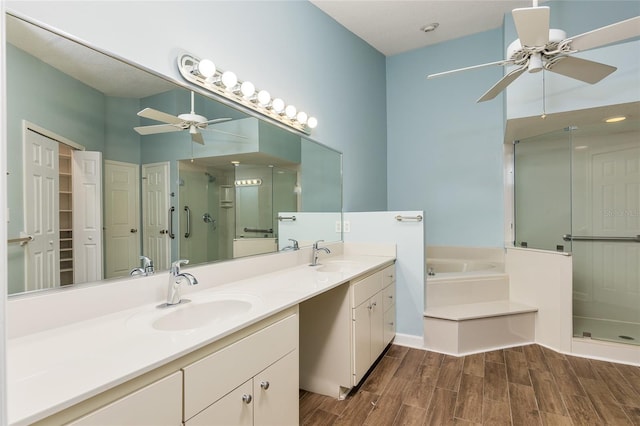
<point x="244" y="93"/>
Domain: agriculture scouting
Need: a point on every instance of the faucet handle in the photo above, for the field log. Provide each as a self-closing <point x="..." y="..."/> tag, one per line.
<point x="315" y="245"/>
<point x="295" y="244"/>
<point x="175" y="266"/>
<point x="146" y="262"/>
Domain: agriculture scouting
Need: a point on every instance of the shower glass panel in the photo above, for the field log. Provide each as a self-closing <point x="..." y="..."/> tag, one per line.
<point x="543" y="191"/>
<point x="578" y="190"/>
<point x="606" y="231"/>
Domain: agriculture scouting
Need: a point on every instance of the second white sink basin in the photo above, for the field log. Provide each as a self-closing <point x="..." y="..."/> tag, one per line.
<point x="338" y="266"/>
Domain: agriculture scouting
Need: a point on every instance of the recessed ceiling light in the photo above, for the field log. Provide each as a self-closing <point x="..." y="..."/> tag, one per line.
<point x="429" y="27"/>
<point x="615" y="119"/>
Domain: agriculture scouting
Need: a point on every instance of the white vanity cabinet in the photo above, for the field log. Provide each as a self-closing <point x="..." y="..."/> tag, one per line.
<point x="252" y="381"/>
<point x="371" y="316"/>
<point x="248" y="377"/>
<point x="344" y="331"/>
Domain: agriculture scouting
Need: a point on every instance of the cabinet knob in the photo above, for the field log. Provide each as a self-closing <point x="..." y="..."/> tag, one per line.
<point x="264" y="385"/>
<point x="390" y="297"/>
<point x="133" y="230"/>
<point x="247" y="398"/>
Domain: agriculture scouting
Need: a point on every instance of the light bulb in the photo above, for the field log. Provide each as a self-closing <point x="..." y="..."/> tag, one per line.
<point x="264" y="98"/>
<point x="278" y="105"/>
<point x="247" y="89"/>
<point x="290" y="111"/>
<point x="229" y="79"/>
<point x="206" y="68"/>
<point x="312" y="122"/>
<point x="302" y="117"/>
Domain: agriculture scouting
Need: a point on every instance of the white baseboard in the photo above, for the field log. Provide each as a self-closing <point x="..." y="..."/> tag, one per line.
<point x="409" y="340"/>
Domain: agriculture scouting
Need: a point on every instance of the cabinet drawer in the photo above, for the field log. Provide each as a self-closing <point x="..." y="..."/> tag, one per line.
<point x="212" y="377"/>
<point x="388" y="275"/>
<point x="364" y="289"/>
<point x="388" y="296"/>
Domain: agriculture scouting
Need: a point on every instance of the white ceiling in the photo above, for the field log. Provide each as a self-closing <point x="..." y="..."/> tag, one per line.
<point x="393" y="26"/>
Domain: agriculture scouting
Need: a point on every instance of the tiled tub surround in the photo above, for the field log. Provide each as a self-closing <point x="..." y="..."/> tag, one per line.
<point x="70" y="345"/>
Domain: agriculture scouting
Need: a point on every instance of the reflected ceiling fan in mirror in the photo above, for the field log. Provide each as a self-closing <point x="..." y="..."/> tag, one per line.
<point x="539" y="48"/>
<point x="191" y="121"/>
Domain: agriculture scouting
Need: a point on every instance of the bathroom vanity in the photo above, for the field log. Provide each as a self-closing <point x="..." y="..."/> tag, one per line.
<point x="144" y="365"/>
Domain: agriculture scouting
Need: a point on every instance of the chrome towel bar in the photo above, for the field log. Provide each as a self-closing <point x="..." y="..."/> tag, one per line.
<point x="281" y="218"/>
<point x="404" y="218"/>
<point x="569" y="237"/>
<point x="21" y="240"/>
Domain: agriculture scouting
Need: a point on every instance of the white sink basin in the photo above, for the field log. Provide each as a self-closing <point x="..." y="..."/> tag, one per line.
<point x="200" y="312"/>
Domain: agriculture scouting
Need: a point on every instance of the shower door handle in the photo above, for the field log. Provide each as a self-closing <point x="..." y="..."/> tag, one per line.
<point x="569" y="237"/>
<point x="188" y="211"/>
<point x="170" y="232"/>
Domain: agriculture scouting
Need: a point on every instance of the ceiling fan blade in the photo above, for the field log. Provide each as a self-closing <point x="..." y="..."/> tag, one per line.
<point x="581" y="69"/>
<point x="209" y="129"/>
<point x="532" y="25"/>
<point x="217" y="120"/>
<point x="502" y="84"/>
<point x="158" y="128"/>
<point x="197" y="137"/>
<point x="154" y="114"/>
<point x="605" y="35"/>
<point x="503" y="62"/>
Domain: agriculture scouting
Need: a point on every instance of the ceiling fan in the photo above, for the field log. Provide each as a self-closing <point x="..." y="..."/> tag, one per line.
<point x="540" y="48"/>
<point x="191" y="121"/>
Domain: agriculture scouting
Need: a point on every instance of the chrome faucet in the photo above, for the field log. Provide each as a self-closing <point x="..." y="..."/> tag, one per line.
<point x="145" y="270"/>
<point x="294" y="245"/>
<point x="175" y="280"/>
<point x="314" y="252"/>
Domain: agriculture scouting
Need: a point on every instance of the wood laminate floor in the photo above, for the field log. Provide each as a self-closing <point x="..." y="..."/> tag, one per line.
<point x="526" y="385"/>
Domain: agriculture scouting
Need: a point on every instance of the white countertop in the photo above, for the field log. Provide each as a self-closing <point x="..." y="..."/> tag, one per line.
<point x="54" y="369"/>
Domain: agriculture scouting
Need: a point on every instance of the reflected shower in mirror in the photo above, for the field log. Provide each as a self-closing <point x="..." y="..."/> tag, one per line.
<point x="96" y="195"/>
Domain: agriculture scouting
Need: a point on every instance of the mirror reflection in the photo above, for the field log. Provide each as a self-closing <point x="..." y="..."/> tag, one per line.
<point x="100" y="175"/>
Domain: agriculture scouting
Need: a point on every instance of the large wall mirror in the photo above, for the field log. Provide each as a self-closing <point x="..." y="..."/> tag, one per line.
<point x="88" y="195"/>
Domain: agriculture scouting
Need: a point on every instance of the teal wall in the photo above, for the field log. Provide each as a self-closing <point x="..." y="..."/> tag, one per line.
<point x="445" y="150"/>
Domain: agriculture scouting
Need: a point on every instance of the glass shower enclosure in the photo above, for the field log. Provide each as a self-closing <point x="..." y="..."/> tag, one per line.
<point x="577" y="190"/>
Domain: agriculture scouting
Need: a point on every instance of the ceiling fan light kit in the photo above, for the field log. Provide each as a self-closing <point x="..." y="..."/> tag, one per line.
<point x="205" y="74"/>
<point x="539" y="48"/>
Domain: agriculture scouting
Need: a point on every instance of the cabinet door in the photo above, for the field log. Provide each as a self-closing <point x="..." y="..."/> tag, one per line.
<point x="276" y="394"/>
<point x="234" y="409"/>
<point x="160" y="403"/>
<point x="377" y="327"/>
<point x="361" y="340"/>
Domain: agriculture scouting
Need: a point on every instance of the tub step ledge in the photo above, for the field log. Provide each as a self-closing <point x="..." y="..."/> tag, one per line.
<point x="477" y="327"/>
<point x="470" y="311"/>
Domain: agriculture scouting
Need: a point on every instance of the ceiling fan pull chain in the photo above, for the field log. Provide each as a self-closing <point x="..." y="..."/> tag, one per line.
<point x="544" y="96"/>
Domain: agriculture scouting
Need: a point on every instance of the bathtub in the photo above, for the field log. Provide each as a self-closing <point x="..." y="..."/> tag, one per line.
<point x="452" y="268"/>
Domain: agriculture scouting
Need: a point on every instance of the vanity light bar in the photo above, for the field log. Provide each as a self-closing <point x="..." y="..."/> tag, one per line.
<point x="204" y="73"/>
<point x="248" y="182"/>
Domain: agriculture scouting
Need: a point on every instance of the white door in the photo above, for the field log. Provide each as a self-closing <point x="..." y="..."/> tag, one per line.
<point x="41" y="209"/>
<point x="87" y="216"/>
<point x="155" y="214"/>
<point x="121" y="218"/>
<point x="615" y="189"/>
